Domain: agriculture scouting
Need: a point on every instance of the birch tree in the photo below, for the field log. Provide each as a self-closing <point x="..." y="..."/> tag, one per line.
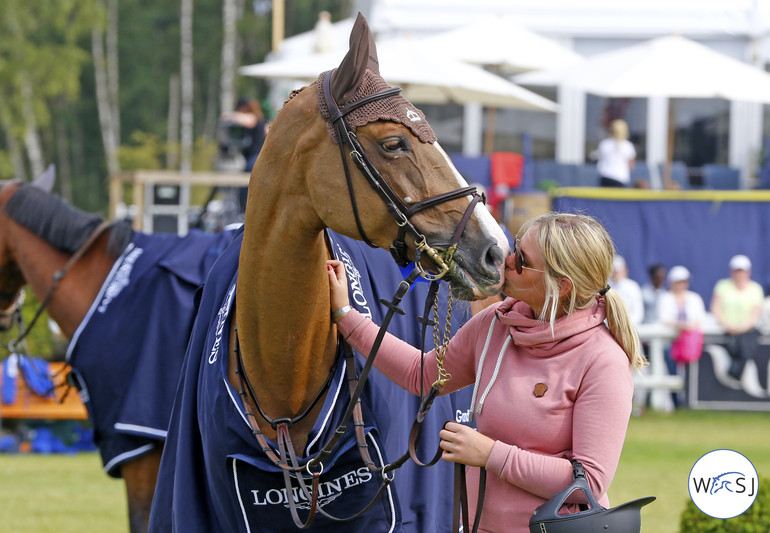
<point x="113" y="81"/>
<point x="186" y="80"/>
<point x="103" y="101"/>
<point x="34" y="71"/>
<point x="232" y="11"/>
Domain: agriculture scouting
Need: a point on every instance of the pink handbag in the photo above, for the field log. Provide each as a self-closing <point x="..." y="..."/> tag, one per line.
<point x="688" y="346"/>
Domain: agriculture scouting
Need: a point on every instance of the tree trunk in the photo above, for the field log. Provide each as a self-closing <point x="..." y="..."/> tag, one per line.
<point x="103" y="102"/>
<point x="31" y="137"/>
<point x="210" y="120"/>
<point x="172" y="136"/>
<point x="229" y="55"/>
<point x="186" y="118"/>
<point x="63" y="171"/>
<point x="112" y="67"/>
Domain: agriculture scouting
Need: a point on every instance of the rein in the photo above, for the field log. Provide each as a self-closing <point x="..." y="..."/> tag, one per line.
<point x="57" y="277"/>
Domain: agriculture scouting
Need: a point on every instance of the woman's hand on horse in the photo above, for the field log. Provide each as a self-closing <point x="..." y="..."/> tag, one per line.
<point x="463" y="444"/>
<point x="338" y="284"/>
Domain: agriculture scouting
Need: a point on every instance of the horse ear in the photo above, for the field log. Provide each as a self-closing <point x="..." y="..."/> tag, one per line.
<point x="46" y="179"/>
<point x="361" y="55"/>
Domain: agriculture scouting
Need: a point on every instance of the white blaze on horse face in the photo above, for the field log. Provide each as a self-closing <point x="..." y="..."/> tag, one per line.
<point x="487" y="223"/>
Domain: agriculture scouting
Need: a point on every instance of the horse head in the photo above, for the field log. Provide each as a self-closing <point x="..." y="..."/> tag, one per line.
<point x="11" y="278"/>
<point x="373" y="170"/>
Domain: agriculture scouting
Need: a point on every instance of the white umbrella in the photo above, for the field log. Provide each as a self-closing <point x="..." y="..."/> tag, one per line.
<point x="502" y="43"/>
<point x="672" y="67"/>
<point x="425" y="76"/>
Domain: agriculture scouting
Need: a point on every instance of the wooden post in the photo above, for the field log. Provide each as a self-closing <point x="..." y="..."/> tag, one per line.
<point x="489" y="133"/>
<point x="278" y="23"/>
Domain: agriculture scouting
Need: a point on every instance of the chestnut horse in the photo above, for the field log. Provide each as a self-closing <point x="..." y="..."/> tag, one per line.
<point x="263" y="348"/>
<point x="39" y="236"/>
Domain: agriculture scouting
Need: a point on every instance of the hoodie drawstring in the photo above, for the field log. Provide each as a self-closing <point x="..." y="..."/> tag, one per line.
<point x="477" y="410"/>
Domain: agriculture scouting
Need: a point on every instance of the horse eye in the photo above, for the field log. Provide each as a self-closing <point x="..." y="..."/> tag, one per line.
<point x="395" y="144"/>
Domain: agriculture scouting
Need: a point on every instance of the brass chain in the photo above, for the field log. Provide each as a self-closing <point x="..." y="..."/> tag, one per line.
<point x="442" y="344"/>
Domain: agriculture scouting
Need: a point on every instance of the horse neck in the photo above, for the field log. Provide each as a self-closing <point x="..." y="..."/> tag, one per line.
<point x="39" y="261"/>
<point x="282" y="307"/>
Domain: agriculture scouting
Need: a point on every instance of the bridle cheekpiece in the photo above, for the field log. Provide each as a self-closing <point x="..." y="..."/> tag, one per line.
<point x="399" y="210"/>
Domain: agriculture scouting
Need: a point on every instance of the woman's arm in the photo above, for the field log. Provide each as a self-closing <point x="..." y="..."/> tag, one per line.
<point x="398" y="360"/>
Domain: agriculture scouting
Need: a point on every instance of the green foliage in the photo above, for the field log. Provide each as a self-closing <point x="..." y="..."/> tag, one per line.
<point x="6" y="165"/>
<point x="204" y="154"/>
<point x="41" y="341"/>
<point x="49" y="44"/>
<point x="755" y="520"/>
<point x="39" y="44"/>
<point x="146" y="151"/>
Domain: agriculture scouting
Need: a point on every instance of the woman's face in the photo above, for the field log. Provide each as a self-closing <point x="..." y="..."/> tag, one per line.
<point x="529" y="286"/>
<point x="679" y="287"/>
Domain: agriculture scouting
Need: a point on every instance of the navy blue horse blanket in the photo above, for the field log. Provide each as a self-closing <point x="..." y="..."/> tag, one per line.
<point x="214" y="477"/>
<point x="127" y="353"/>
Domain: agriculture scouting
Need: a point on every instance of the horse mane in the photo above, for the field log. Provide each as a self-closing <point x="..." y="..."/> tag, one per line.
<point x="55" y="221"/>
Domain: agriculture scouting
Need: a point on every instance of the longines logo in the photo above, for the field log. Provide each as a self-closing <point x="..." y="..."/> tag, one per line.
<point x="121" y="279"/>
<point x="354" y="277"/>
<point x="221" y="319"/>
<point x="723" y="483"/>
<point x="328" y="491"/>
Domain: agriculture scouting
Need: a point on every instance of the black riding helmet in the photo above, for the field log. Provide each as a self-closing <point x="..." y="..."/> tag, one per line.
<point x="625" y="518"/>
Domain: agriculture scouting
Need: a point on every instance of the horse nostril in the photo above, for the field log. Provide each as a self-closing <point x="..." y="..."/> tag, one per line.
<point x="494" y="258"/>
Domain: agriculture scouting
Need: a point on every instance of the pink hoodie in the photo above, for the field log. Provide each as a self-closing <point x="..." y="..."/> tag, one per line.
<point x="544" y="399"/>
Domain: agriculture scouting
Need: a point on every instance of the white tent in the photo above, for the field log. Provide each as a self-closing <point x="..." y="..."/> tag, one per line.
<point x="501" y="43"/>
<point x="669" y="67"/>
<point x="425" y="76"/>
<point x="672" y="66"/>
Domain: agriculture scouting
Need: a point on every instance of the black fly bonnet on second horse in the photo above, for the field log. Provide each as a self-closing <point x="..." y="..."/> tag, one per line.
<point x="58" y="223"/>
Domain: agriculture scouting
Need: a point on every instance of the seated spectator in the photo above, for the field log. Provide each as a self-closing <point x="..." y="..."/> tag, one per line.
<point x="737" y="304"/>
<point x="652" y="291"/>
<point x="683" y="310"/>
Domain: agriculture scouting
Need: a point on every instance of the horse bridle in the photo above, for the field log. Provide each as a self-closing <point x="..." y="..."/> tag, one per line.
<point x="399" y="210"/>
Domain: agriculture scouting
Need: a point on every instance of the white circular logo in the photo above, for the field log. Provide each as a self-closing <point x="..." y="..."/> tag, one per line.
<point x="723" y="483"/>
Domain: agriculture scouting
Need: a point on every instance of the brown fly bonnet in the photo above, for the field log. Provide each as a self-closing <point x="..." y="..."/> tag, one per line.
<point x="363" y="54"/>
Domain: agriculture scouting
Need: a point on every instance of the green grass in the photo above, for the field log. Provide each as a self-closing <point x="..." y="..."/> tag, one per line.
<point x="71" y="494"/>
<point x="661" y="449"/>
<point x="59" y="494"/>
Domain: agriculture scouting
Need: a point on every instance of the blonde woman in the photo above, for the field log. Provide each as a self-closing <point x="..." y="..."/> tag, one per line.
<point x="616" y="157"/>
<point x="552" y="381"/>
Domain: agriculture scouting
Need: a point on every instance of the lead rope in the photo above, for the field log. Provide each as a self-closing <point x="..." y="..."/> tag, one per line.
<point x="442" y="344"/>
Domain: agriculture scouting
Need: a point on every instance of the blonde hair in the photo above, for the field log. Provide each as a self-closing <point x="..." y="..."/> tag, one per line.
<point x="577" y="247"/>
<point x="619" y="129"/>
